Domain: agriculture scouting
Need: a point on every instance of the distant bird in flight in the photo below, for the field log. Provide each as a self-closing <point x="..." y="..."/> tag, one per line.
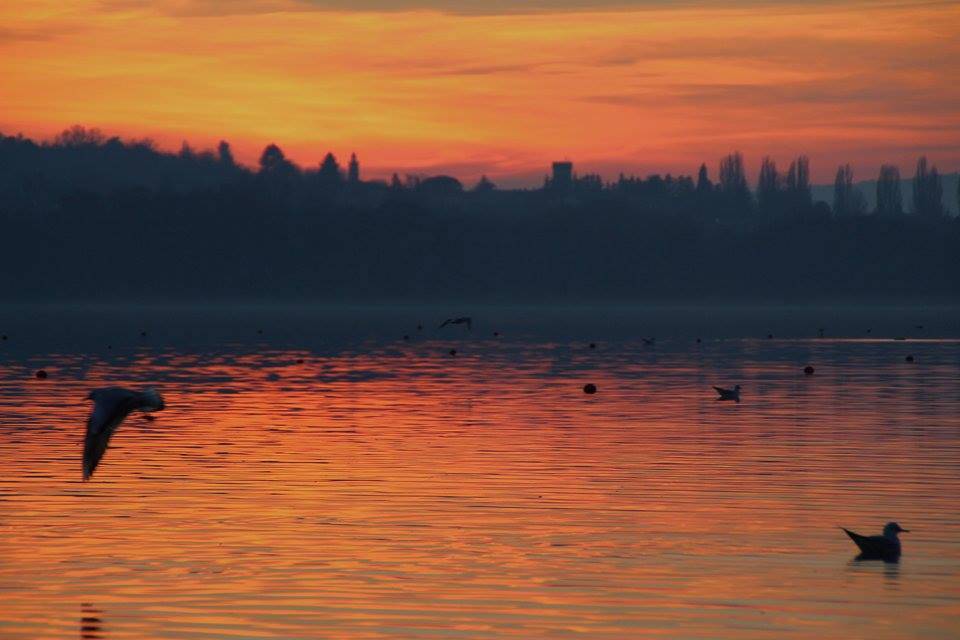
<point x="464" y="320"/>
<point x="882" y="547"/>
<point x="729" y="394"/>
<point x="111" y="406"/>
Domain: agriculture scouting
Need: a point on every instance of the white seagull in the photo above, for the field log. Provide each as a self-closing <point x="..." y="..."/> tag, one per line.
<point x="111" y="406"/>
<point x="729" y="394"/>
<point x="882" y="547"/>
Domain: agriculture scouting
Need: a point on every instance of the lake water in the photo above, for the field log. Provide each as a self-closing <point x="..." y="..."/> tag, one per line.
<point x="315" y="475"/>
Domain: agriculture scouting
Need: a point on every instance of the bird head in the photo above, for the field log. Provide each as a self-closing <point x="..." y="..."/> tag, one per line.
<point x="892" y="529"/>
<point x="736" y="388"/>
<point x="153" y="401"/>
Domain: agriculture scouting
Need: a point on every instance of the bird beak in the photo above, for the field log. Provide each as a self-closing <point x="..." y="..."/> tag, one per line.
<point x="904" y="530"/>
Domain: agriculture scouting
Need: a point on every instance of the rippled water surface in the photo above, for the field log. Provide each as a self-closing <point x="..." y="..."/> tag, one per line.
<point x="323" y="477"/>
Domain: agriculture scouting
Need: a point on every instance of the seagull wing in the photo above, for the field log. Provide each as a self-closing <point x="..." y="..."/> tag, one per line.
<point x="721" y="390"/>
<point x="445" y="323"/>
<point x="110" y="408"/>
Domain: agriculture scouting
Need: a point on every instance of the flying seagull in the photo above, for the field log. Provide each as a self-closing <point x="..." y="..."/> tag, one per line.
<point x="729" y="394"/>
<point x="464" y="320"/>
<point x="882" y="547"/>
<point x="111" y="406"/>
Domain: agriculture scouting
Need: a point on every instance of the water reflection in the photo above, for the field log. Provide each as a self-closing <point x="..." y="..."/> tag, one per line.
<point x="91" y="622"/>
<point x="385" y="489"/>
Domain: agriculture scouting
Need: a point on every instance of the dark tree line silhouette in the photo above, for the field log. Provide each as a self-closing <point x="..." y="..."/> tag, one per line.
<point x="88" y="216"/>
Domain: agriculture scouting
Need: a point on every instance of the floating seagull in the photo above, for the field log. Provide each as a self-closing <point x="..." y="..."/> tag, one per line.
<point x="882" y="547"/>
<point x="110" y="407"/>
<point x="464" y="320"/>
<point x="729" y="394"/>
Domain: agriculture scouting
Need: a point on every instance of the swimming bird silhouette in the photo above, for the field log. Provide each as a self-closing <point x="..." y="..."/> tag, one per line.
<point x="111" y="406"/>
<point x="464" y="320"/>
<point x="882" y="547"/>
<point x="729" y="394"/>
<point x="649" y="342"/>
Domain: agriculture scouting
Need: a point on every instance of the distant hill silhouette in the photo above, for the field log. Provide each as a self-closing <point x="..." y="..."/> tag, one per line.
<point x="869" y="189"/>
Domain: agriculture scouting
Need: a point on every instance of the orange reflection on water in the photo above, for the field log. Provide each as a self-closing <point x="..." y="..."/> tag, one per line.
<point x="395" y="491"/>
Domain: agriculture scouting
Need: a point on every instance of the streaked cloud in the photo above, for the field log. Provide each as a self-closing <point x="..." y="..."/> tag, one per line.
<point x="639" y="86"/>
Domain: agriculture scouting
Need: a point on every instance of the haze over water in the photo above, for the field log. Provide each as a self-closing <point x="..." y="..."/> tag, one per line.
<point x="326" y="478"/>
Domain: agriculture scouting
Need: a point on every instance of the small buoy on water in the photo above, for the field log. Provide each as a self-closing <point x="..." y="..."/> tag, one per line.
<point x="41" y="375"/>
<point x="593" y="345"/>
<point x="453" y="352"/>
<point x="808" y="370"/>
<point x="909" y="358"/>
<point x="589" y="388"/>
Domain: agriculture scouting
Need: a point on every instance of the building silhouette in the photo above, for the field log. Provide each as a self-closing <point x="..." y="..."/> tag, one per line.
<point x="562" y="178"/>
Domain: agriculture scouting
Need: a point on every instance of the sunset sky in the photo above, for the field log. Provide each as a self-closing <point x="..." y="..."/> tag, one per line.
<point x="497" y="87"/>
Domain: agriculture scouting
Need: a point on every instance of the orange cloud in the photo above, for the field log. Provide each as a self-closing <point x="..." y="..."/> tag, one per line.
<point x="640" y="89"/>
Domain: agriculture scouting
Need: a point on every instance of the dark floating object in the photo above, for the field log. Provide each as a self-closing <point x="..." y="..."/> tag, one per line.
<point x="453" y="352"/>
<point x="406" y="337"/>
<point x="869" y="330"/>
<point x="649" y="342"/>
<point x="589" y="388"/>
<point x="699" y="340"/>
<point x="41" y="375"/>
<point x="496" y="334"/>
<point x="593" y="345"/>
<point x="769" y="336"/>
<point x="143" y="334"/>
<point x="419" y="327"/>
<point x="820" y="331"/>
<point x="808" y="370"/>
<point x="883" y="547"/>
<point x="909" y="358"/>
<point x="109" y="347"/>
<point x="3" y="337"/>
<point x="149" y="418"/>
<point x="273" y="376"/>
<point x="299" y="360"/>
<point x="900" y="338"/>
<point x="919" y="326"/>
<point x="260" y="332"/>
